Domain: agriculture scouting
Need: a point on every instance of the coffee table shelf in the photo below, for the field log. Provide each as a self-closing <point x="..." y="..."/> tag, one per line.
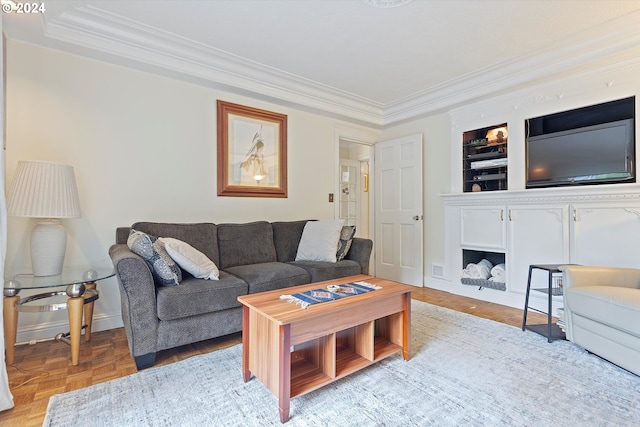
<point x="306" y="377"/>
<point x="320" y="361"/>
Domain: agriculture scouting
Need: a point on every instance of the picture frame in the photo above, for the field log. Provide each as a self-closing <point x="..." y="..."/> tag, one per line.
<point x="252" y="151"/>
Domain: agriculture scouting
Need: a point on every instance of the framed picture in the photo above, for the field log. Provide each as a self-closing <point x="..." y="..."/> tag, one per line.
<point x="252" y="152"/>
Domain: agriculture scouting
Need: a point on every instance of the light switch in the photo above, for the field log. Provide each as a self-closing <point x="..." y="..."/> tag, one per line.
<point x="330" y="197"/>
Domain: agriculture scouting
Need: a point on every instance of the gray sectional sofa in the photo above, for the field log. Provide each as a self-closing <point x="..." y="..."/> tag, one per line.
<point x="252" y="257"/>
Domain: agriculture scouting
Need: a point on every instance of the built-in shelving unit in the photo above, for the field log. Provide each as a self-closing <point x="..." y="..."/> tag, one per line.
<point x="484" y="162"/>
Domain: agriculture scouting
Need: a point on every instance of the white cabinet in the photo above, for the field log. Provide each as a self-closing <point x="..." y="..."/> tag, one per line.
<point x="526" y="234"/>
<point x="483" y="227"/>
<point x="537" y="235"/>
<point x="559" y="226"/>
<point x="606" y="234"/>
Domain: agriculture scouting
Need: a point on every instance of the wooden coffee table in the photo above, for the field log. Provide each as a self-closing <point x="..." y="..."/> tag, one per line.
<point x="295" y="351"/>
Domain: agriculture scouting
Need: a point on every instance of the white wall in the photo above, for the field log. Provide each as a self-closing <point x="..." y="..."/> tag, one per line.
<point x="144" y="149"/>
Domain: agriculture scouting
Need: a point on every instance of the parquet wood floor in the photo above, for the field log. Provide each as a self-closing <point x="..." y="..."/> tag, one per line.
<point x="44" y="369"/>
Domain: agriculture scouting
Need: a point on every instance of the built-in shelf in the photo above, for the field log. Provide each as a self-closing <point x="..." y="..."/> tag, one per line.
<point x="484" y="162"/>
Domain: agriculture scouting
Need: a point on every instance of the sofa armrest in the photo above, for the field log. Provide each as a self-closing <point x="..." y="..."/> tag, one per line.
<point x="360" y="251"/>
<point x="138" y="299"/>
<point x="580" y="275"/>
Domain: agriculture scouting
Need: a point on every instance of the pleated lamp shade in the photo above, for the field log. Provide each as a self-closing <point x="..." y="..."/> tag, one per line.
<point x="45" y="190"/>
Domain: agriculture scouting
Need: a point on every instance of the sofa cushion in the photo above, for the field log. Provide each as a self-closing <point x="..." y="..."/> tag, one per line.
<point x="202" y="236"/>
<point x="164" y="270"/>
<point x="190" y="259"/>
<point x="241" y="244"/>
<point x="346" y="237"/>
<point x="617" y="307"/>
<point x="320" y="271"/>
<point x="286" y="237"/>
<point x="270" y="275"/>
<point x="319" y="241"/>
<point x="199" y="296"/>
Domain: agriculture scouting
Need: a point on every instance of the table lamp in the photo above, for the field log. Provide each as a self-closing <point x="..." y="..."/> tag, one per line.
<point x="45" y="190"/>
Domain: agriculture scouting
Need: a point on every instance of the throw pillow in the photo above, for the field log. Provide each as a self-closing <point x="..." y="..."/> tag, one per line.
<point x="164" y="270"/>
<point x="190" y="259"/>
<point x="346" y="237"/>
<point x="319" y="241"/>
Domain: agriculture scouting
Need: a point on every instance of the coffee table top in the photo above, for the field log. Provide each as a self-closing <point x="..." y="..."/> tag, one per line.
<point x="283" y="312"/>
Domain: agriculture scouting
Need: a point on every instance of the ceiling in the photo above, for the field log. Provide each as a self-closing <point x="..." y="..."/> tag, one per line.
<point x="343" y="57"/>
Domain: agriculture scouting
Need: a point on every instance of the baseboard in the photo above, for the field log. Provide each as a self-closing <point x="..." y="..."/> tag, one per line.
<point x="47" y="331"/>
<point x="537" y="300"/>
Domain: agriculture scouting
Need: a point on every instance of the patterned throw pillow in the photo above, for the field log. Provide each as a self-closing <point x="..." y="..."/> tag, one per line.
<point x="165" y="271"/>
<point x="346" y="237"/>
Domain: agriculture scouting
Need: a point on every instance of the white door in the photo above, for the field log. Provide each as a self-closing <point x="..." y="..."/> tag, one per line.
<point x="398" y="210"/>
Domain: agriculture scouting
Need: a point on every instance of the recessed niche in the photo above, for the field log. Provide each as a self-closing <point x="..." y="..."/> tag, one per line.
<point x="471" y="256"/>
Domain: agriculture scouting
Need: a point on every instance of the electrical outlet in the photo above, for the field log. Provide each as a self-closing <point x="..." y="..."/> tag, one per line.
<point x="32" y="342"/>
<point x="330" y="197"/>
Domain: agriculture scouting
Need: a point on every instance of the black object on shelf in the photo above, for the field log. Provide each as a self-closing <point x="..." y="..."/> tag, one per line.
<point x="550" y="330"/>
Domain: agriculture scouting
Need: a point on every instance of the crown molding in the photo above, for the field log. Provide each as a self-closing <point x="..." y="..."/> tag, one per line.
<point x="101" y="31"/>
<point x="93" y="28"/>
<point x="578" y="53"/>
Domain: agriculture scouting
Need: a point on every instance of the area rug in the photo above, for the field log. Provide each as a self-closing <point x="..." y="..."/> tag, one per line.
<point x="464" y="371"/>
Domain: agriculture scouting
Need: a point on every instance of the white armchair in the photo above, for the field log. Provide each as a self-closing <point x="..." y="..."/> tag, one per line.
<point x="602" y="312"/>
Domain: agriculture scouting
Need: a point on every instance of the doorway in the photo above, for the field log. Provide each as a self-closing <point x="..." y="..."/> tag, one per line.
<point x="353" y="201"/>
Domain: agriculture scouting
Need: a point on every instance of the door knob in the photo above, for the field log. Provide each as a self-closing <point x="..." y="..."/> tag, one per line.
<point x="417" y="217"/>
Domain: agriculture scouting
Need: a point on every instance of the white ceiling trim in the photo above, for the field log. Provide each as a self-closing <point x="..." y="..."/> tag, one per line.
<point x="574" y="54"/>
<point x="97" y="29"/>
<point x="93" y="28"/>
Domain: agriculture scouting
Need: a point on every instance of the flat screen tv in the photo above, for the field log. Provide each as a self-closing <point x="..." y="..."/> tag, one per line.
<point x="602" y="153"/>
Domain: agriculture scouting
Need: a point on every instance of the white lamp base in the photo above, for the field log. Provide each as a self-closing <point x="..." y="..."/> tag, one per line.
<point x="48" y="246"/>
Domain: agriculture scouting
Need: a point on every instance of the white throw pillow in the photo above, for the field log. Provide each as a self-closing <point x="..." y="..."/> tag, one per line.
<point x="190" y="259"/>
<point x="319" y="241"/>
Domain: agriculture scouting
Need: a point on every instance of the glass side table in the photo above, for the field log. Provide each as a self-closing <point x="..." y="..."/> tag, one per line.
<point x="78" y="297"/>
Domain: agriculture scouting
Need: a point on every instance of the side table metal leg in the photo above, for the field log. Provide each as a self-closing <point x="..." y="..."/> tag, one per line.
<point x="526" y="300"/>
<point x="75" y="305"/>
<point x="406" y="326"/>
<point x="549" y="321"/>
<point x="10" y="318"/>
<point x="88" y="313"/>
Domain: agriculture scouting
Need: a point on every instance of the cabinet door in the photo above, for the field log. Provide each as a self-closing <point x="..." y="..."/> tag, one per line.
<point x="483" y="227"/>
<point x="606" y="235"/>
<point x="537" y="235"/>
